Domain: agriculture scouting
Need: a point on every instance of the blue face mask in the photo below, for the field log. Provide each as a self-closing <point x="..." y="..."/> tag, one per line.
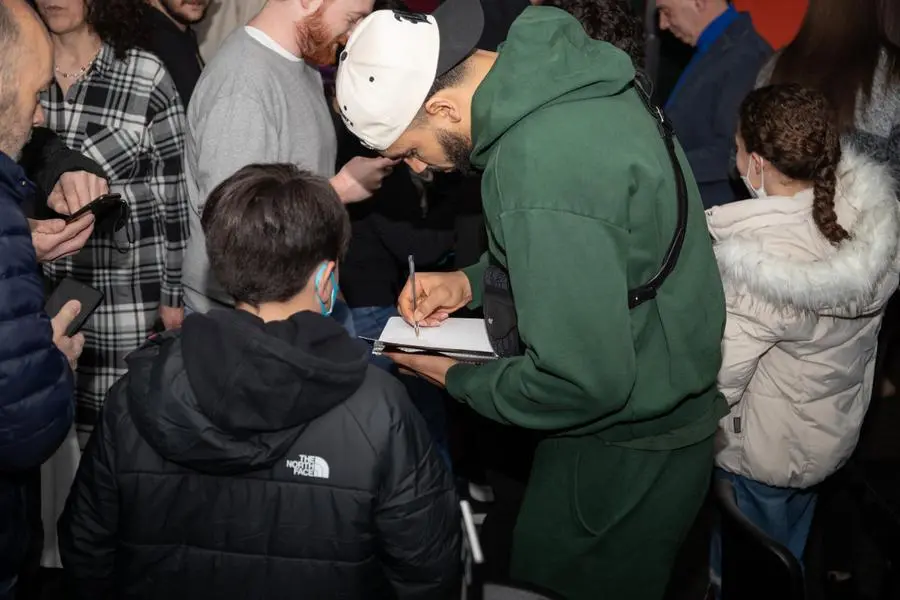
<point x="323" y="308"/>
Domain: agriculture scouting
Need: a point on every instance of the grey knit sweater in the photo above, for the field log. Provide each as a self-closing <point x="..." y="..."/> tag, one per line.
<point x="877" y="131"/>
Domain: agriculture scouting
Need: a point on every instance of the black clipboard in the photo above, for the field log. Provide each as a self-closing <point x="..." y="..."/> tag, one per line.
<point x="380" y="347"/>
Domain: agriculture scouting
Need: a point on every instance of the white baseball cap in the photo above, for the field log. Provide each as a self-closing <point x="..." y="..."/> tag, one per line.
<point x="391" y="61"/>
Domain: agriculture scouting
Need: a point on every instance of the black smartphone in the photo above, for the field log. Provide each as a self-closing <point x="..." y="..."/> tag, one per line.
<point x="101" y="207"/>
<point x="70" y="289"/>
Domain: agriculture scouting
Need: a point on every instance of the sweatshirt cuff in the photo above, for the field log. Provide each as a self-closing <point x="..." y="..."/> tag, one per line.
<point x="456" y="379"/>
<point x="475" y="275"/>
<point x="460" y="380"/>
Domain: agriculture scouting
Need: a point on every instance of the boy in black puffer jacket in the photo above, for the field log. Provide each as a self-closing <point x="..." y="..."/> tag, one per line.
<point x="255" y="454"/>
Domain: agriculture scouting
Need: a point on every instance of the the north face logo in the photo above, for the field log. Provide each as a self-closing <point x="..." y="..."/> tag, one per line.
<point x="308" y="466"/>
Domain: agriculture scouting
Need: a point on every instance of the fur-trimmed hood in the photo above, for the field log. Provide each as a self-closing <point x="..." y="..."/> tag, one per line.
<point x="771" y="248"/>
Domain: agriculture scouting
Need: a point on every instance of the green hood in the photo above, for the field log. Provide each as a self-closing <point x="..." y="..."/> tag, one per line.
<point x="571" y="63"/>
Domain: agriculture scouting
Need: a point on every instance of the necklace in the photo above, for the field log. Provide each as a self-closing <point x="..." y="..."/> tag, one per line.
<point x="78" y="74"/>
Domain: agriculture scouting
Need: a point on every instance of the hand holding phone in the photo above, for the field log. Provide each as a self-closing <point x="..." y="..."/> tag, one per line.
<point x="69" y="289"/>
<point x="100" y="208"/>
<point x="70" y="345"/>
<point x="55" y="238"/>
<point x="75" y="189"/>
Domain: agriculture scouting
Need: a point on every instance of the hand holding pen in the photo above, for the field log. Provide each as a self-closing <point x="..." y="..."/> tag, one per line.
<point x="428" y="299"/>
<point x="414" y="292"/>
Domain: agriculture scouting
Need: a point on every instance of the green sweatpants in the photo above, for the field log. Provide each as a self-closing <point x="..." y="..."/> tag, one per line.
<point x="602" y="522"/>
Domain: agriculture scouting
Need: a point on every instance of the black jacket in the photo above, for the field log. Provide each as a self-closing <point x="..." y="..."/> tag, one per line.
<point x="177" y="49"/>
<point x="242" y="459"/>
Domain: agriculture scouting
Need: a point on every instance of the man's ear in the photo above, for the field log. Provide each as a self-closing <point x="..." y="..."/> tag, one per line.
<point x="441" y="107"/>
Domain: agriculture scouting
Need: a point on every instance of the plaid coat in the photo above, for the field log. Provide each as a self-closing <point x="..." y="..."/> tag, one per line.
<point x="126" y="115"/>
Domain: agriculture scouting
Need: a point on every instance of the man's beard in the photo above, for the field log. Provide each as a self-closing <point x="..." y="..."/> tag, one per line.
<point x="171" y="7"/>
<point x="458" y="150"/>
<point x="317" y="45"/>
<point x="13" y="138"/>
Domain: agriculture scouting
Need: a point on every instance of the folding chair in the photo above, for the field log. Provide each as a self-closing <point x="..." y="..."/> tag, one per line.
<point x="754" y="566"/>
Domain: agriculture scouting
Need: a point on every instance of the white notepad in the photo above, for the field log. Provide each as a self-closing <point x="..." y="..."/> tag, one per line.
<point x="465" y="339"/>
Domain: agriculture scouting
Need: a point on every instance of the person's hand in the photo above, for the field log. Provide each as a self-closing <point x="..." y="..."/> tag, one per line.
<point x="172" y="318"/>
<point x="75" y="189"/>
<point x="432" y="368"/>
<point x="437" y="296"/>
<point x="70" y="346"/>
<point x="360" y="177"/>
<point x="54" y="238"/>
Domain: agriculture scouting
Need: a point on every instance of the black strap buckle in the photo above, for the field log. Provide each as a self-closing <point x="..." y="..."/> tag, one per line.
<point x="662" y="123"/>
<point x="638" y="296"/>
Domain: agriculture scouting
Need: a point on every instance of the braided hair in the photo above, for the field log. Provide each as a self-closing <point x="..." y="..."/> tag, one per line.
<point x="796" y="129"/>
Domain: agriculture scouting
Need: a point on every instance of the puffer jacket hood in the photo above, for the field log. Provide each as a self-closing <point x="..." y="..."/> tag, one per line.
<point x="846" y="279"/>
<point x="803" y="321"/>
<point x="199" y="404"/>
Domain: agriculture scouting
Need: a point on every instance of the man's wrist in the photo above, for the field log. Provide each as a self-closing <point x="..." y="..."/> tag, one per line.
<point x="467" y="286"/>
<point x="473" y="276"/>
<point x="340" y="185"/>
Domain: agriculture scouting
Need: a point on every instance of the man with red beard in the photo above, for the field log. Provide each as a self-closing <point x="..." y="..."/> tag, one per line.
<point x="174" y="42"/>
<point x="260" y="100"/>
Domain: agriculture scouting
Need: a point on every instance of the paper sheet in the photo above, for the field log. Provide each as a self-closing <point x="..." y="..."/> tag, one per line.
<point x="458" y="335"/>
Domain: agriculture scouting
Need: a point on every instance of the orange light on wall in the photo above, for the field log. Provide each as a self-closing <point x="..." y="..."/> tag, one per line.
<point x="778" y="21"/>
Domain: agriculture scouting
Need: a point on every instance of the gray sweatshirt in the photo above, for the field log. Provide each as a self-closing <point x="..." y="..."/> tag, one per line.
<point x="254" y="103"/>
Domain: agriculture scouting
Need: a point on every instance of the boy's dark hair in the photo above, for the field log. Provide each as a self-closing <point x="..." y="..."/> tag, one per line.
<point x="268" y="227"/>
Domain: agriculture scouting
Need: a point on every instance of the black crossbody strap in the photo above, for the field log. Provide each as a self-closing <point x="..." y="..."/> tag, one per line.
<point x="500" y="317"/>
<point x="647" y="291"/>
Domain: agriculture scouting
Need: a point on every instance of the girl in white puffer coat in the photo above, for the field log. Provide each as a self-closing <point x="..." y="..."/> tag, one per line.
<point x="808" y="266"/>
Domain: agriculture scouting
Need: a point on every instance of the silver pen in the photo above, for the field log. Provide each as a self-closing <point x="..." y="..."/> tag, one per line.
<point x="412" y="281"/>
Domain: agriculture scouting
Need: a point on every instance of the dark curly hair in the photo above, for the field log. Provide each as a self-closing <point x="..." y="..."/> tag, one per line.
<point x="119" y="23"/>
<point x="611" y="21"/>
<point x="796" y="129"/>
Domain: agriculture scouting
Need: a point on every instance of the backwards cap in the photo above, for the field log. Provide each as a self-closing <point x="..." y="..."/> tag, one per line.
<point x="391" y="62"/>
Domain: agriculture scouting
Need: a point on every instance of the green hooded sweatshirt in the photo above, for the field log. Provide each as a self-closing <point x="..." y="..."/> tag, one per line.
<point x="580" y="203"/>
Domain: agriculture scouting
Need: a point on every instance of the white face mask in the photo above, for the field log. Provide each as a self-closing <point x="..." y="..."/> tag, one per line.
<point x="759" y="192"/>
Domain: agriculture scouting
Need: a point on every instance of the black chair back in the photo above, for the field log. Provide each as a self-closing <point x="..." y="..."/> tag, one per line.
<point x="754" y="566"/>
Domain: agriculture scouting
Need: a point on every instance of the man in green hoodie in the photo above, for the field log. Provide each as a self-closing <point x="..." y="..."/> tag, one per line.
<point x="581" y="203"/>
